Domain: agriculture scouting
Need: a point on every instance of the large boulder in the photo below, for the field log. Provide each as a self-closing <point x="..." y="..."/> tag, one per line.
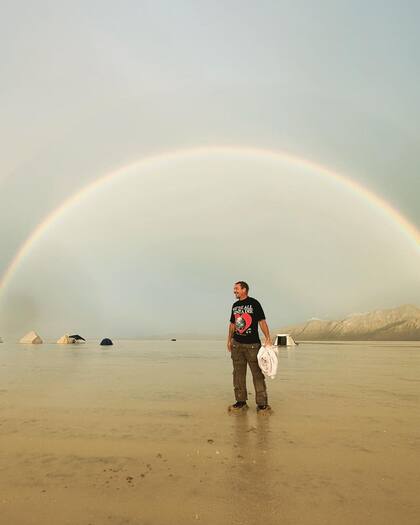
<point x="31" y="338"/>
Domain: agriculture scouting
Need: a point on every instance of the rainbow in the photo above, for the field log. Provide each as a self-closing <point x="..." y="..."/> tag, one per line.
<point x="407" y="228"/>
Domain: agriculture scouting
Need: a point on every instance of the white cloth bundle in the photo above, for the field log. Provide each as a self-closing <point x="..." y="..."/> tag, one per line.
<point x="267" y="360"/>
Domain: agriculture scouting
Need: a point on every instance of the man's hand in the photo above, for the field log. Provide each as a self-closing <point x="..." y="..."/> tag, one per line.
<point x="229" y="345"/>
<point x="267" y="342"/>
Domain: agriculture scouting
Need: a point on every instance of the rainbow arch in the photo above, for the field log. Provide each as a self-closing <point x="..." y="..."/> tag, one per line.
<point x="406" y="227"/>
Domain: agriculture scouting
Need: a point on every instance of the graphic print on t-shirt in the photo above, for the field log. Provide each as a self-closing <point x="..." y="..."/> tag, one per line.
<point x="243" y="318"/>
<point x="242" y="322"/>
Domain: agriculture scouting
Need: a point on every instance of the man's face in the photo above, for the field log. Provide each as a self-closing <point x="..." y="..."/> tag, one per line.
<point x="239" y="292"/>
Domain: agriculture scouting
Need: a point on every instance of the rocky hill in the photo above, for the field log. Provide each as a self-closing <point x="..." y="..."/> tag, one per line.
<point x="396" y="324"/>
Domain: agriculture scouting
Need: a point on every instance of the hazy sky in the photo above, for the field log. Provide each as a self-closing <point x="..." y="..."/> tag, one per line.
<point x="86" y="87"/>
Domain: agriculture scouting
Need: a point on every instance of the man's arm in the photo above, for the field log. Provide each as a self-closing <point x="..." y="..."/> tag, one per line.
<point x="264" y="327"/>
<point x="230" y="335"/>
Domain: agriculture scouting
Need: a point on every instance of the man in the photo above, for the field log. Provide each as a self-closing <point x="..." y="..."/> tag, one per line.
<point x="243" y="343"/>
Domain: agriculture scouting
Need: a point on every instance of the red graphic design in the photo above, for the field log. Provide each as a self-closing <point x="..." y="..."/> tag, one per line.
<point x="242" y="322"/>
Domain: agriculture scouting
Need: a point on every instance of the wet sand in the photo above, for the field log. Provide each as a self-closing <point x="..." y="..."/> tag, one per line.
<point x="139" y="434"/>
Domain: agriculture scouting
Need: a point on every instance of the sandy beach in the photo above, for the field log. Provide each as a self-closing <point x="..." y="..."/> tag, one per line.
<point x="139" y="434"/>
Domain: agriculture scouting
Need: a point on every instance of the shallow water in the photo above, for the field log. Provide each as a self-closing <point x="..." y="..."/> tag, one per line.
<point x="139" y="433"/>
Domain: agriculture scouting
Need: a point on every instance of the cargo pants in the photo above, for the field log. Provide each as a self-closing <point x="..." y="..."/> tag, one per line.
<point x="243" y="354"/>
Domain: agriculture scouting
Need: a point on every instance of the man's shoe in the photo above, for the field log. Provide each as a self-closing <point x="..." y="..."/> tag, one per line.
<point x="238" y="406"/>
<point x="263" y="408"/>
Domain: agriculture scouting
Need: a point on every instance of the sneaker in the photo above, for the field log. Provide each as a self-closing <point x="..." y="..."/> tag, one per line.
<point x="263" y="408"/>
<point x="238" y="406"/>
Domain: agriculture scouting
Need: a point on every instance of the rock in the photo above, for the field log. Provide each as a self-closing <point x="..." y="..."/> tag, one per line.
<point x="395" y="324"/>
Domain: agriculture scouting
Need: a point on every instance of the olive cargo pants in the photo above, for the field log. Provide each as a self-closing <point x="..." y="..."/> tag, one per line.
<point x="241" y="355"/>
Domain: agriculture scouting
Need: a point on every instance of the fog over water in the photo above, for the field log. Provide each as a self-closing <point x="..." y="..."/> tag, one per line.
<point x="157" y="249"/>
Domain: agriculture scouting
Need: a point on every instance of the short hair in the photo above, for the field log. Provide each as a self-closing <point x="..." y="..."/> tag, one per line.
<point x="243" y="284"/>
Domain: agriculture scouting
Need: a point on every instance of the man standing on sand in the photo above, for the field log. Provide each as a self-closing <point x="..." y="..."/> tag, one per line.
<point x="243" y="343"/>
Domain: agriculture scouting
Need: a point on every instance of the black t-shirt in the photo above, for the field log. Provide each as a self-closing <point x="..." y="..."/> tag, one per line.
<point x="245" y="316"/>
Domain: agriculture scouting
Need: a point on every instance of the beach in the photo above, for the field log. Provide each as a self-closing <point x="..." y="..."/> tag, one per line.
<point x="139" y="433"/>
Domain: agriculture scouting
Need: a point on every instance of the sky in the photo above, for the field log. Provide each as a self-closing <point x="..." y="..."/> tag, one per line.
<point x="89" y="87"/>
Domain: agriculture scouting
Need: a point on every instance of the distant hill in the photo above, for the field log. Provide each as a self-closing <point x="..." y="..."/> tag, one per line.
<point x="396" y="324"/>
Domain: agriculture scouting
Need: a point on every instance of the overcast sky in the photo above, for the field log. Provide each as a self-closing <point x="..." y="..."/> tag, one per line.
<point x="86" y="87"/>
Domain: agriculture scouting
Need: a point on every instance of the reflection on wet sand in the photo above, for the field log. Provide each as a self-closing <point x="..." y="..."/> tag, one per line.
<point x="249" y="476"/>
<point x="140" y="434"/>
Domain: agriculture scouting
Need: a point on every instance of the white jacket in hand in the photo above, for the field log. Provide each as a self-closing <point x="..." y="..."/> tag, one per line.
<point x="267" y="360"/>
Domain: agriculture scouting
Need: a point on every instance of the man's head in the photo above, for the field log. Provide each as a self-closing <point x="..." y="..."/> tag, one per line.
<point x="240" y="290"/>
